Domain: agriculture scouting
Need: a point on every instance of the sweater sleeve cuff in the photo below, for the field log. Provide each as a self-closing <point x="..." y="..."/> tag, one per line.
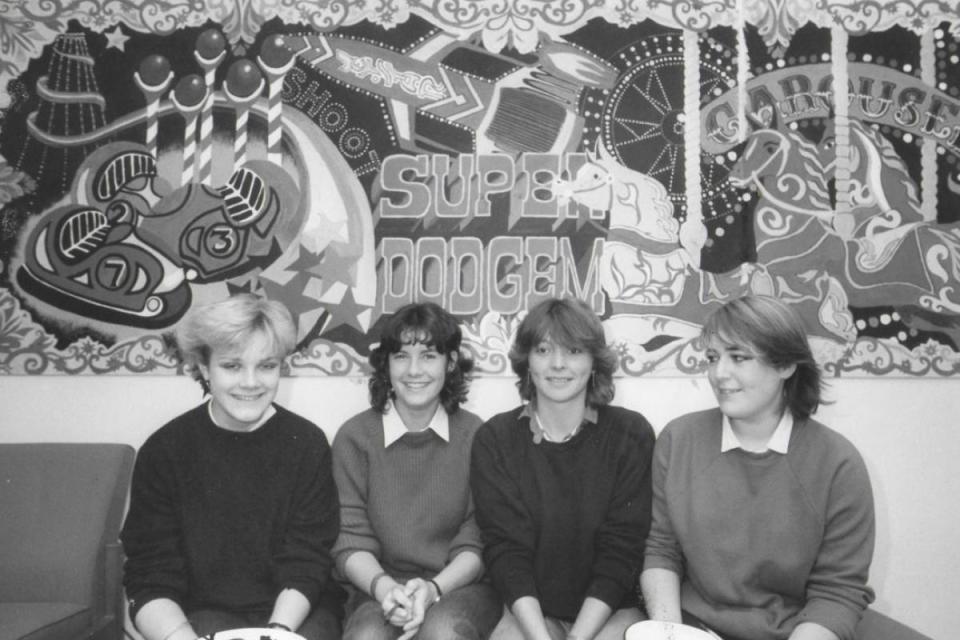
<point x="465" y="546"/>
<point x="607" y="590"/>
<point x="515" y="587"/>
<point x="651" y="561"/>
<point x="310" y="589"/>
<point x="140" y="599"/>
<point x="837" y="618"/>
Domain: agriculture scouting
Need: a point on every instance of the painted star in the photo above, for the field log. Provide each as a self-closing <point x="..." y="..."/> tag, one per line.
<point x="335" y="268"/>
<point x="306" y="261"/>
<point x="116" y="39"/>
<point x="346" y="311"/>
<point x="291" y="293"/>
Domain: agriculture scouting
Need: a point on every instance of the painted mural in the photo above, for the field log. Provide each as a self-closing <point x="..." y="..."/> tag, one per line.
<point x="653" y="158"/>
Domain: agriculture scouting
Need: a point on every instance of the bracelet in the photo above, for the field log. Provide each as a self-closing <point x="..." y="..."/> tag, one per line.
<point x="373" y="583"/>
<point x="437" y="587"/>
<point x="279" y="625"/>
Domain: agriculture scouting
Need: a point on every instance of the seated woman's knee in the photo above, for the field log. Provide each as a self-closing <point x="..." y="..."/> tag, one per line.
<point x="442" y="625"/>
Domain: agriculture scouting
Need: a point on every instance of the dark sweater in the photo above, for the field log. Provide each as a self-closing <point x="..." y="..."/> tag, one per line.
<point x="564" y="521"/>
<point x="226" y="520"/>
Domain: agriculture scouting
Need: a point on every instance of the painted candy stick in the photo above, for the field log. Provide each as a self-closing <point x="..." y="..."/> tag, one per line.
<point x="209" y="53"/>
<point x="153" y="78"/>
<point x="188" y="97"/>
<point x="276" y="60"/>
<point x="244" y="84"/>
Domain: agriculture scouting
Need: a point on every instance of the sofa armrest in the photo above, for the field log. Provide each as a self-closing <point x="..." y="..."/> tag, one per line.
<point x="876" y="626"/>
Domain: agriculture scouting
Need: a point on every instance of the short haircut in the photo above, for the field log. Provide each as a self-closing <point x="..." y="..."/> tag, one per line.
<point x="428" y="324"/>
<point x="229" y="324"/>
<point x="570" y="323"/>
<point x="775" y="331"/>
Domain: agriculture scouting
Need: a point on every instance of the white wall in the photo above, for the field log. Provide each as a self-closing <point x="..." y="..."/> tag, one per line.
<point x="905" y="429"/>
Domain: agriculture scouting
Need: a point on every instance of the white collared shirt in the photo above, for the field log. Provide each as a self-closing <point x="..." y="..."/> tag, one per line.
<point x="779" y="440"/>
<point x="394" y="429"/>
<point x="590" y="414"/>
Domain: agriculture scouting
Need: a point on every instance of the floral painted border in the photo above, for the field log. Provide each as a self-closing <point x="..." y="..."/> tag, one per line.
<point x="26" y="348"/>
<point x="27" y="26"/>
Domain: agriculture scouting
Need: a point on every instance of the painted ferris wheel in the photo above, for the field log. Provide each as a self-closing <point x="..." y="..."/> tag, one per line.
<point x="642" y="120"/>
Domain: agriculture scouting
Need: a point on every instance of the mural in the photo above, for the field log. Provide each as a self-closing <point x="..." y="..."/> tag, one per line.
<point x="652" y="158"/>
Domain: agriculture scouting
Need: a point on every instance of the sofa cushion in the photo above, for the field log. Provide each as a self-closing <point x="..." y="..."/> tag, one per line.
<point x="876" y="626"/>
<point x="61" y="504"/>
<point x="43" y="620"/>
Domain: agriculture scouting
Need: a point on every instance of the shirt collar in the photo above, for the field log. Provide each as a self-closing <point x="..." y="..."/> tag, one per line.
<point x="779" y="441"/>
<point x="589" y="416"/>
<point x="394" y="429"/>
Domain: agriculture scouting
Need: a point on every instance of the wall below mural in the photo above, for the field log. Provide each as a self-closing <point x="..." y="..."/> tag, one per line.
<point x="347" y="160"/>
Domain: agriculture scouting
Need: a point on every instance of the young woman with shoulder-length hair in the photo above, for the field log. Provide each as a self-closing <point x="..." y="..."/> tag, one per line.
<point x="233" y="509"/>
<point x="562" y="485"/>
<point x="409" y="544"/>
<point x="763" y="522"/>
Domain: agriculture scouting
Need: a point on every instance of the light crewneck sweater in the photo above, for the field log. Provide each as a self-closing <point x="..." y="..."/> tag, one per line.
<point x="763" y="541"/>
<point x="408" y="504"/>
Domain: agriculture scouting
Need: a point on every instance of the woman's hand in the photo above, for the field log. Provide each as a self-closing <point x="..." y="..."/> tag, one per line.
<point x="422" y="595"/>
<point x="397" y="606"/>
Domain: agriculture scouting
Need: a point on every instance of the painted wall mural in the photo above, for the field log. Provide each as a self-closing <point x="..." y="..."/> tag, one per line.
<point x="653" y="158"/>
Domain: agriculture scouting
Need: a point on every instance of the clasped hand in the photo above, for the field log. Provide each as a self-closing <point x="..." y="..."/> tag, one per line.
<point x="405" y="605"/>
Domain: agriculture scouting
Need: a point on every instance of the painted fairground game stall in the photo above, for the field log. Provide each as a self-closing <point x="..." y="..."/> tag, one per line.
<point x="654" y="158"/>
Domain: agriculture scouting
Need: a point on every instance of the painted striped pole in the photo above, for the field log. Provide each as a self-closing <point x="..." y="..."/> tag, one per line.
<point x="188" y="97"/>
<point x="153" y="77"/>
<point x="209" y="53"/>
<point x="243" y="86"/>
<point x="275" y="60"/>
<point x="928" y="147"/>
<point x="843" y="218"/>
<point x="692" y="232"/>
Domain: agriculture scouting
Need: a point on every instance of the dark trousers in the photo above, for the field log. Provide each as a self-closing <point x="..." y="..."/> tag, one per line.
<point x="873" y="626"/>
<point x="467" y="613"/>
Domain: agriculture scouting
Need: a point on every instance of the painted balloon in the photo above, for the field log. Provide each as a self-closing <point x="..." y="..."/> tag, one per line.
<point x="210" y="44"/>
<point x="154" y="70"/>
<point x="243" y="78"/>
<point x="274" y="52"/>
<point x="190" y="90"/>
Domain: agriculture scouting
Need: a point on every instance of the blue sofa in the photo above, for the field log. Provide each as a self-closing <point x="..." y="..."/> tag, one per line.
<point x="60" y="560"/>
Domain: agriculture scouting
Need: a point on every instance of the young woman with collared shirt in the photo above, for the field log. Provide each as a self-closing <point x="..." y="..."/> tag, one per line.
<point x="409" y="545"/>
<point x="562" y="485"/>
<point x="763" y="521"/>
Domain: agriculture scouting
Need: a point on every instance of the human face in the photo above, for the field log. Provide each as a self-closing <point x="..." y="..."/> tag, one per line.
<point x="417" y="374"/>
<point x="243" y="382"/>
<point x="749" y="391"/>
<point x="560" y="374"/>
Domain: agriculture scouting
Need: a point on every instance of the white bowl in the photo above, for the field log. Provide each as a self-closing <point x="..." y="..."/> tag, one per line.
<point x="651" y="630"/>
<point x="254" y="633"/>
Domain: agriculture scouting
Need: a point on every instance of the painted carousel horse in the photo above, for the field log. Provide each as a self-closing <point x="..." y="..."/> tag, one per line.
<point x="643" y="261"/>
<point x="880" y="253"/>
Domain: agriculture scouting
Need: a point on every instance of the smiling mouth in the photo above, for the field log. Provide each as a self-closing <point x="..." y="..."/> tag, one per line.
<point x="248" y="398"/>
